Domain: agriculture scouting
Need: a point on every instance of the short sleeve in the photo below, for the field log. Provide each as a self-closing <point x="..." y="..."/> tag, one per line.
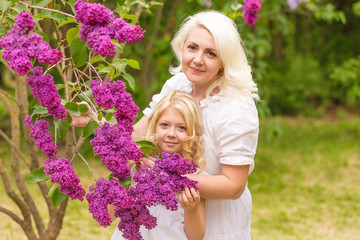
<point x="236" y="132"/>
<point x="177" y="82"/>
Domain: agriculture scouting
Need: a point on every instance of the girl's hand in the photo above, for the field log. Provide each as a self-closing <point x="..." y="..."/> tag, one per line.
<point x="149" y="161"/>
<point x="189" y="198"/>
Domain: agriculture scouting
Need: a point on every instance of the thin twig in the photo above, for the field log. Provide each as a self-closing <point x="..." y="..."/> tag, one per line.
<point x="48" y="9"/>
<point x="87" y="165"/>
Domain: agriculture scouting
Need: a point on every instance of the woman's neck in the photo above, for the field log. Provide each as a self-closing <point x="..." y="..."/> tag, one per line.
<point x="200" y="93"/>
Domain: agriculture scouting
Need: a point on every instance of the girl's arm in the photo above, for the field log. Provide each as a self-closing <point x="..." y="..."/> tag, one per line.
<point x="194" y="213"/>
<point x="230" y="184"/>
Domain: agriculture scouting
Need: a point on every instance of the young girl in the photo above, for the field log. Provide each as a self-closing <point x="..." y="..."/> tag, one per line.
<point x="175" y="125"/>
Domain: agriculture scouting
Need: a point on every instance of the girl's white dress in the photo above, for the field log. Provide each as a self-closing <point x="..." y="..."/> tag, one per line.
<point x="231" y="128"/>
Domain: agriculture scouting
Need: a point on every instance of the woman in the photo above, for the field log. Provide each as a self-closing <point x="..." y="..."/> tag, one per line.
<point x="213" y="68"/>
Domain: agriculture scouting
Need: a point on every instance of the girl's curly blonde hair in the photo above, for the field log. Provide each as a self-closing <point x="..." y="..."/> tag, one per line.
<point x="188" y="107"/>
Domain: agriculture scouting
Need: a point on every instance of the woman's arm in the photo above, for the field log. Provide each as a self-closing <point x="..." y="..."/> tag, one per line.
<point x="194" y="214"/>
<point x="230" y="184"/>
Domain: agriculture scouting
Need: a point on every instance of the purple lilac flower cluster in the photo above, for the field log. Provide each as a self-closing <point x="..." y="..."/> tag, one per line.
<point x="158" y="185"/>
<point x="251" y="8"/>
<point x="114" y="145"/>
<point x="21" y="47"/>
<point x="99" y="26"/>
<point x="62" y="172"/>
<point x="59" y="169"/>
<point x="44" y="89"/>
<point x="39" y="132"/>
<point x="132" y="218"/>
<point x="109" y="95"/>
<point x="106" y="192"/>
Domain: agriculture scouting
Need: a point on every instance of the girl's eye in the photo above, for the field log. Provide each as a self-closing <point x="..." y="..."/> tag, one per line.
<point x="164" y="124"/>
<point x="182" y="128"/>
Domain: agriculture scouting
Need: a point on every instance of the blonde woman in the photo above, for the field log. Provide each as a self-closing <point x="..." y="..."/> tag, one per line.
<point x="213" y="68"/>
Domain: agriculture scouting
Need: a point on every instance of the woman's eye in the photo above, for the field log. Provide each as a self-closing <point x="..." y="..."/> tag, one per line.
<point x="212" y="54"/>
<point x="191" y="47"/>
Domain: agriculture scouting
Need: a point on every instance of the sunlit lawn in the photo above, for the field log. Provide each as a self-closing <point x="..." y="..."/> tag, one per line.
<point x="305" y="185"/>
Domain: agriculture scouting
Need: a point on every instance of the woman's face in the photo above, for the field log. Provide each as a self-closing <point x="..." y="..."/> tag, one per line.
<point x="200" y="59"/>
<point x="171" y="132"/>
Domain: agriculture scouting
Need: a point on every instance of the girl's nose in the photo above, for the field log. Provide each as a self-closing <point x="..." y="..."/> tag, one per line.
<point x="171" y="132"/>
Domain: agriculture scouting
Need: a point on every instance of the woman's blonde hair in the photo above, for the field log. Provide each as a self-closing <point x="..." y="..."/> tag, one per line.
<point x="237" y="72"/>
<point x="188" y="107"/>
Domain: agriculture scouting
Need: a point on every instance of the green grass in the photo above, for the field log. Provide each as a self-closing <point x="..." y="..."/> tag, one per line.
<point x="305" y="185"/>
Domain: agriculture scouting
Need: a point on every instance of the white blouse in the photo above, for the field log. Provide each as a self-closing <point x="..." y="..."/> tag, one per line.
<point x="231" y="128"/>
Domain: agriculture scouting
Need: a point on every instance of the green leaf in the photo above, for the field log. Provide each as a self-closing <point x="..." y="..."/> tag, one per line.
<point x="38" y="109"/>
<point x="52" y="189"/>
<point x="63" y="127"/>
<point x="100" y="116"/>
<point x="4" y="5"/>
<point x="146" y="147"/>
<point x="97" y="59"/>
<point x="130" y="81"/>
<point x="134" y="64"/>
<point x="68" y="20"/>
<point x="41" y="3"/>
<point x="79" y="52"/>
<point x="89" y="129"/>
<point x="19" y="8"/>
<point x="71" y="34"/>
<point x="120" y="65"/>
<point x="86" y="95"/>
<point x="125" y="181"/>
<point x="110" y="118"/>
<point x="73" y="108"/>
<point x="132" y="17"/>
<point x="57" y="198"/>
<point x="2" y="30"/>
<point x="83" y="108"/>
<point x="38" y="175"/>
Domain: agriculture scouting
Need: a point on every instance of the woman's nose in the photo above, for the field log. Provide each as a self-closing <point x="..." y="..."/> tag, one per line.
<point x="198" y="58"/>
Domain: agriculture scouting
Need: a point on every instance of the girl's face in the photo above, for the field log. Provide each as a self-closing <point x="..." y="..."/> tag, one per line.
<point x="200" y="60"/>
<point x="171" y="132"/>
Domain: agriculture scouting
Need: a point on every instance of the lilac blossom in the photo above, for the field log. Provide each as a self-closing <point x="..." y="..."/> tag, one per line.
<point x="132" y="218"/>
<point x="293" y="4"/>
<point x="159" y="184"/>
<point x="44" y="89"/>
<point x="109" y="95"/>
<point x="114" y="145"/>
<point x="251" y="8"/>
<point x="39" y="132"/>
<point x="102" y="93"/>
<point x="99" y="26"/>
<point x="62" y="172"/>
<point x="21" y="47"/>
<point x="106" y="192"/>
<point x="207" y="3"/>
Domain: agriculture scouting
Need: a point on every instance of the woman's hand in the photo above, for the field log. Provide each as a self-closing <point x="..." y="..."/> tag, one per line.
<point x="189" y="198"/>
<point x="83" y="119"/>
